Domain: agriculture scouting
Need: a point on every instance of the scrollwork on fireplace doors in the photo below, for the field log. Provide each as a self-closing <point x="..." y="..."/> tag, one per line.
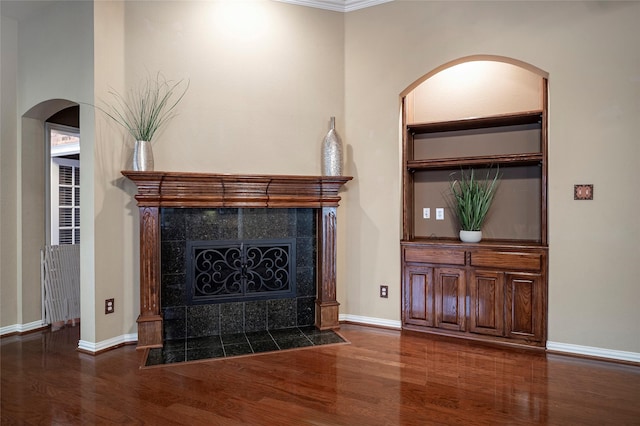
<point x="222" y="271"/>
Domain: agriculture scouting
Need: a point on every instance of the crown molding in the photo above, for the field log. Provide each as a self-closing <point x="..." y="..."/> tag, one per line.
<point x="337" y="5"/>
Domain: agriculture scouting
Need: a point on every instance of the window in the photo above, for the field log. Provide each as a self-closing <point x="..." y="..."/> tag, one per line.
<point x="65" y="184"/>
<point x="65" y="201"/>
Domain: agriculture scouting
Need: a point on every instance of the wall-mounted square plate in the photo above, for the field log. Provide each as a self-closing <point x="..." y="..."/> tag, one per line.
<point x="583" y="192"/>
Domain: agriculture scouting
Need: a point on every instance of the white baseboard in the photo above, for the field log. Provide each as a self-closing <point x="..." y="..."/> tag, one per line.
<point x="551" y="346"/>
<point x="592" y="351"/>
<point x="567" y="348"/>
<point x="379" y="322"/>
<point x="21" y="328"/>
<point x="91" y="347"/>
<point x="82" y="344"/>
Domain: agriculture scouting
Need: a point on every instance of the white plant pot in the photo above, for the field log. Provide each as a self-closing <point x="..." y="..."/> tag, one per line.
<point x="470" y="236"/>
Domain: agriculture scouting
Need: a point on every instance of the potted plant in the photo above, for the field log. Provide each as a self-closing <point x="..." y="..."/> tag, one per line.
<point x="143" y="110"/>
<point x="471" y="200"/>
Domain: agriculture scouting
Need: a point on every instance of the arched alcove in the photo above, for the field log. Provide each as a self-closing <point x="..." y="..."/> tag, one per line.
<point x="476" y="86"/>
<point x="482" y="114"/>
<point x="457" y="97"/>
<point x="467" y="60"/>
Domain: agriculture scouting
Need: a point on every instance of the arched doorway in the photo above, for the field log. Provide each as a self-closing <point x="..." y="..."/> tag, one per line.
<point x="35" y="184"/>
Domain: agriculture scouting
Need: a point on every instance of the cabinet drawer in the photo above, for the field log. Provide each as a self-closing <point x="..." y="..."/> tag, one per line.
<point x="422" y="255"/>
<point x="507" y="260"/>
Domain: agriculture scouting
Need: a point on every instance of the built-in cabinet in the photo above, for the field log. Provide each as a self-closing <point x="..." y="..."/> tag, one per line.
<point x="494" y="290"/>
<point x="488" y="291"/>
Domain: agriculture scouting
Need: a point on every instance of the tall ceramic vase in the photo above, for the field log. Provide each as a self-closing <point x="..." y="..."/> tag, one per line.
<point x="142" y="156"/>
<point x="332" y="152"/>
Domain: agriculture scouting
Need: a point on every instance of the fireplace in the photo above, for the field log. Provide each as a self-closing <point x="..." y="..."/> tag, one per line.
<point x="256" y="265"/>
<point x="164" y="196"/>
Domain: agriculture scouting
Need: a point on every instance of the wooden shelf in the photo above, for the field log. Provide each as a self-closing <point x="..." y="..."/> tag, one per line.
<point x="456" y="243"/>
<point x="195" y="190"/>
<point x="528" y="117"/>
<point x="463" y="162"/>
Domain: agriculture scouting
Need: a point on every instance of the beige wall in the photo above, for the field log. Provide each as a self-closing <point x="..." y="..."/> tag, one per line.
<point x="9" y="295"/>
<point x="50" y="76"/>
<point x="32" y="215"/>
<point x="261" y="95"/>
<point x="114" y="233"/>
<point x="264" y="79"/>
<point x="475" y="88"/>
<point x="260" y="101"/>
<point x="589" y="50"/>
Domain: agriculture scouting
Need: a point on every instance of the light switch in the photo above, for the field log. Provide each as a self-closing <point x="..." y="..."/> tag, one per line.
<point x="426" y="213"/>
<point x="439" y="213"/>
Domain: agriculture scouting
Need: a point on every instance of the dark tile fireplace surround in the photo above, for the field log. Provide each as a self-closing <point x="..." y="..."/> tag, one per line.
<point x="177" y="208"/>
<point x="184" y="318"/>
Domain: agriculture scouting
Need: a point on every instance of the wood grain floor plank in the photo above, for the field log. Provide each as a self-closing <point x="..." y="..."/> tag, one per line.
<point x="381" y="377"/>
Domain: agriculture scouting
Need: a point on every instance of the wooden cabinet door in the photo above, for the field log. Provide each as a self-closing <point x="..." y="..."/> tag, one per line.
<point x="418" y="296"/>
<point x="486" y="310"/>
<point x="524" y="306"/>
<point x="450" y="294"/>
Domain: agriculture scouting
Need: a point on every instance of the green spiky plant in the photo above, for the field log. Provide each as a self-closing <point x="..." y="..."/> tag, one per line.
<point x="146" y="107"/>
<point x="472" y="197"/>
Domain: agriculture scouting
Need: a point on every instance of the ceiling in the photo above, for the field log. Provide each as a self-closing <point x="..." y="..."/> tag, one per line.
<point x="21" y="9"/>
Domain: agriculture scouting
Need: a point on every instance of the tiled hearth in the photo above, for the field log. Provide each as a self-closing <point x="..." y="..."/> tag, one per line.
<point x="239" y="344"/>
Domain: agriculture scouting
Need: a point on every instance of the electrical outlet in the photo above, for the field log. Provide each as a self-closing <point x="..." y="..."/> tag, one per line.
<point x="426" y="213"/>
<point x="384" y="291"/>
<point x="439" y="213"/>
<point x="109" y="306"/>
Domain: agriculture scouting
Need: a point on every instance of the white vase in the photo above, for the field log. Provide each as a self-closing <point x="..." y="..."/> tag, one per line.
<point x="470" y="236"/>
<point x="332" y="152"/>
<point x="142" y="156"/>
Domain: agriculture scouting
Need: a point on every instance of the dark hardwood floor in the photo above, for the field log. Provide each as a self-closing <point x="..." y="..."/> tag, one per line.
<point x="381" y="378"/>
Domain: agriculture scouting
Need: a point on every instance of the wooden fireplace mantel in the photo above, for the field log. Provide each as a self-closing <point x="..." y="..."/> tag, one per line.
<point x="158" y="189"/>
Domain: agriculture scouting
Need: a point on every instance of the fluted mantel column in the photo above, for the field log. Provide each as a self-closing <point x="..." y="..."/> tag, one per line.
<point x="326" y="303"/>
<point x="150" y="319"/>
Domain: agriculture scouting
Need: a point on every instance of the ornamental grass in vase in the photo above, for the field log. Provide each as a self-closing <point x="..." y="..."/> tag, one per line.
<point x="143" y="110"/>
<point x="472" y="199"/>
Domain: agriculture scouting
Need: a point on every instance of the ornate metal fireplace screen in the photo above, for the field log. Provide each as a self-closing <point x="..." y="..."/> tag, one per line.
<point x="222" y="271"/>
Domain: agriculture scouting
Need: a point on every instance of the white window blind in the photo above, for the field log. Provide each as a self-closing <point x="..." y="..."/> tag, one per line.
<point x="65" y="201"/>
